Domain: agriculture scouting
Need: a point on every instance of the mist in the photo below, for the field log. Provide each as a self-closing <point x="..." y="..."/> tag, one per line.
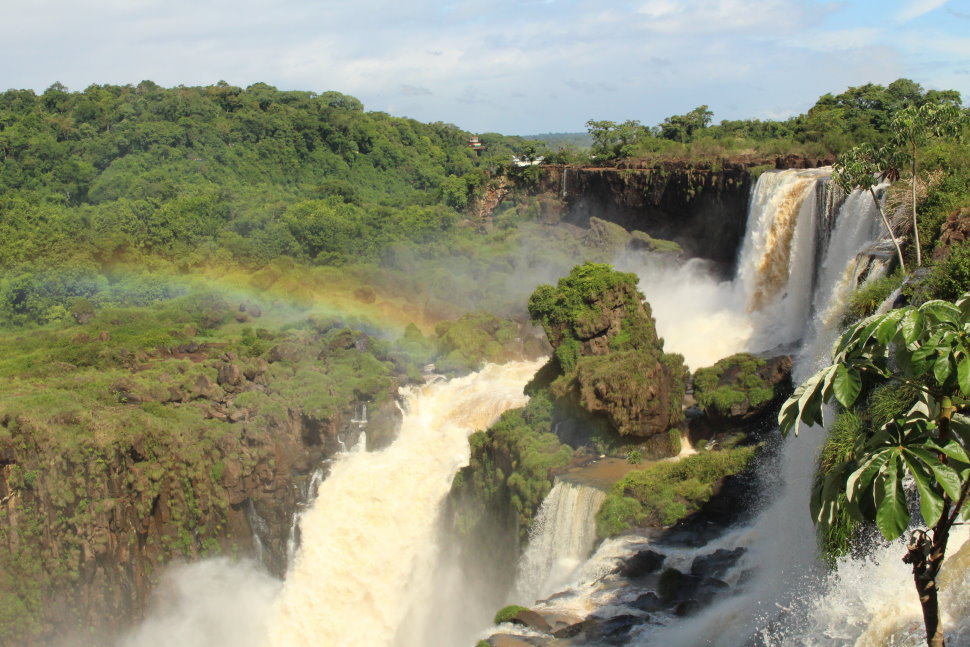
<point x="212" y="603"/>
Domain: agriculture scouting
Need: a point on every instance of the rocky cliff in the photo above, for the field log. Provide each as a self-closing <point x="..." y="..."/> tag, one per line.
<point x="609" y="360"/>
<point x="700" y="206"/>
<point x="116" y="464"/>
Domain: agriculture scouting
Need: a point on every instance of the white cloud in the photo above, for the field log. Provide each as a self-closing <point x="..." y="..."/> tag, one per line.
<point x="498" y="65"/>
<point x="913" y="9"/>
<point x="838" y="39"/>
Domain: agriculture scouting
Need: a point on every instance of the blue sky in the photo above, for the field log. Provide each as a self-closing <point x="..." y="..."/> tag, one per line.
<point x="511" y="66"/>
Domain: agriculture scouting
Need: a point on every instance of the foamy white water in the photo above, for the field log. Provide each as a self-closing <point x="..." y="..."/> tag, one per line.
<point x="370" y="540"/>
<point x="560" y="540"/>
<point x="697" y="315"/>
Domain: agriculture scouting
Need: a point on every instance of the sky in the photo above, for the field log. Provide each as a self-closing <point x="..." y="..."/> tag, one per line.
<point x="512" y="66"/>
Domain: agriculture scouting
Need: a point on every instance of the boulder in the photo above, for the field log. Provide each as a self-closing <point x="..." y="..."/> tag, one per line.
<point x="609" y="360"/>
<point x="650" y="602"/>
<point x="532" y="620"/>
<point x="742" y="389"/>
<point x="606" y="235"/>
<point x="643" y="563"/>
<point x="716" y="564"/>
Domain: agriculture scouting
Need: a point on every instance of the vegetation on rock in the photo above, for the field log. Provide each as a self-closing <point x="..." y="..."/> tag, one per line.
<point x="510" y="469"/>
<point x="668" y="491"/>
<point x="506" y="614"/>
<point x="610" y="360"/>
<point x="741" y="385"/>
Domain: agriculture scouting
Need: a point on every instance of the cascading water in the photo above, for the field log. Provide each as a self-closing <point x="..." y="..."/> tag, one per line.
<point x="800" y="259"/>
<point x="368" y="565"/>
<point x="363" y="572"/>
<point x="365" y="566"/>
<point x="561" y="538"/>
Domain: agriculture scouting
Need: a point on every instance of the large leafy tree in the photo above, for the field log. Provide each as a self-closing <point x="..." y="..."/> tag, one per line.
<point x="926" y="347"/>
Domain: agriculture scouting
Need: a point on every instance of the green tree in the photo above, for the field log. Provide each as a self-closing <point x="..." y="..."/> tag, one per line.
<point x="683" y="128"/>
<point x="612" y="140"/>
<point x="913" y="127"/>
<point x="862" y="168"/>
<point x="926" y="348"/>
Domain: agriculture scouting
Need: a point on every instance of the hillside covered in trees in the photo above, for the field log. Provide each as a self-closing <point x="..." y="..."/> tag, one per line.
<point x="201" y="288"/>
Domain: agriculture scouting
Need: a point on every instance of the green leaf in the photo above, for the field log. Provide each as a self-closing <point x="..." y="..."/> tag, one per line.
<point x="942" y="368"/>
<point x="963" y="376"/>
<point x="862" y="478"/>
<point x="892" y="515"/>
<point x="930" y="503"/>
<point x="921" y="360"/>
<point x="953" y="449"/>
<point x="889" y="327"/>
<point x="941" y="311"/>
<point x="846" y="385"/>
<point x="963" y="303"/>
<point x="945" y="475"/>
<point x="948" y="479"/>
<point x="911" y="326"/>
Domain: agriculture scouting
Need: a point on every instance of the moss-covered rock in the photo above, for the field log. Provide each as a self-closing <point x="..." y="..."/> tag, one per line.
<point x="511" y="468"/>
<point x="610" y="359"/>
<point x="667" y="492"/>
<point x="742" y="387"/>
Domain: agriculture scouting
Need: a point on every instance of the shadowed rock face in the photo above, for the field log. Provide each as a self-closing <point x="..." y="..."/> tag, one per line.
<point x="702" y="210"/>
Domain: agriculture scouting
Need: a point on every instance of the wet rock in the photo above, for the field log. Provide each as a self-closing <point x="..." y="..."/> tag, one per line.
<point x="717" y="563"/>
<point x="532" y="620"/>
<point x="508" y="640"/>
<point x="686" y="608"/>
<point x="649" y="601"/>
<point x="643" y="563"/>
<point x="569" y="631"/>
<point x="614" y="630"/>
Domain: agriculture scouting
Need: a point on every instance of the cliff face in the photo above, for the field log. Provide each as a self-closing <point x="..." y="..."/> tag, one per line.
<point x="701" y="209"/>
<point x="184" y="452"/>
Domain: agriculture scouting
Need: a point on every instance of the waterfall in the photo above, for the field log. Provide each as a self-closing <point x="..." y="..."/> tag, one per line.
<point x="560" y="540"/>
<point x="368" y="546"/>
<point x="825" y="259"/>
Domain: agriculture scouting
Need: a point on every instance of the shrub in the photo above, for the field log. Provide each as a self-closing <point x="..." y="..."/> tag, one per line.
<point x="506" y="614"/>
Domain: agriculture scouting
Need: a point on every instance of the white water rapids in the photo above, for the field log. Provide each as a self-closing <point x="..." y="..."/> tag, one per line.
<point x="364" y="567"/>
<point x="365" y="571"/>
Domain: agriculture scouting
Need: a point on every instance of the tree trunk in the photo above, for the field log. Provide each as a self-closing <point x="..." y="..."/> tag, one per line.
<point x="919" y="255"/>
<point x="885" y="221"/>
<point x="926" y="558"/>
